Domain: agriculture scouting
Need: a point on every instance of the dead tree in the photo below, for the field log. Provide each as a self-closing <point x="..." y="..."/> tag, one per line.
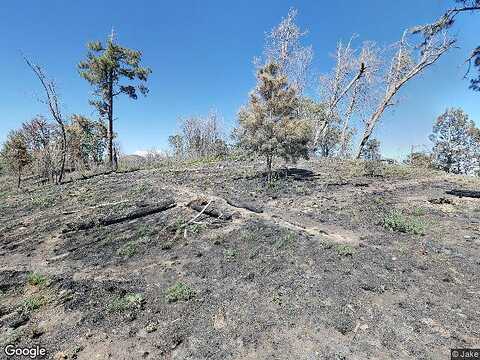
<point x="362" y="93"/>
<point x="52" y="101"/>
<point x="408" y="62"/>
<point x="284" y="47"/>
<point x="335" y="86"/>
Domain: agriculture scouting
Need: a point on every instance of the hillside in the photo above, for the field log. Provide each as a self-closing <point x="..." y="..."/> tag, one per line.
<point x="326" y="263"/>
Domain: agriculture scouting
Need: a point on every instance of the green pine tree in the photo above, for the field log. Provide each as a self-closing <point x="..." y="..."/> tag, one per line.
<point x="105" y="68"/>
<point x="270" y="124"/>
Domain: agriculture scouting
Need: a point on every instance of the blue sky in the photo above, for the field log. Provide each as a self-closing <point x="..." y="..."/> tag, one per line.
<point x="201" y="56"/>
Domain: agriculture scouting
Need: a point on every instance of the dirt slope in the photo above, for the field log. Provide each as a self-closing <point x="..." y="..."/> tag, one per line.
<point x="329" y="265"/>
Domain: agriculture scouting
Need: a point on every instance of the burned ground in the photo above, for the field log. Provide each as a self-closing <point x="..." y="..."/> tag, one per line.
<point x="333" y="265"/>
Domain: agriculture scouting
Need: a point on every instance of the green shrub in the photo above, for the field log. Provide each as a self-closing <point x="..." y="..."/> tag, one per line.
<point x="344" y="250"/>
<point x="128" y="250"/>
<point x="36" y="279"/>
<point x="284" y="240"/>
<point x="34" y="303"/>
<point x="179" y="292"/>
<point x="397" y="221"/>
<point x="128" y="302"/>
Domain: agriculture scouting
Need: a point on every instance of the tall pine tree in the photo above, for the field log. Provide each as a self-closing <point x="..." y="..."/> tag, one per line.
<point x="105" y="67"/>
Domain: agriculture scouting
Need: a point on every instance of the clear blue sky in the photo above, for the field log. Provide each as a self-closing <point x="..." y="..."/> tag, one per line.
<point x="201" y="56"/>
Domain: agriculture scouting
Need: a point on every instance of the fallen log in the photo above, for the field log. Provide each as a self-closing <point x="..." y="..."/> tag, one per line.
<point x="346" y="183"/>
<point x="86" y="177"/>
<point x="144" y="210"/>
<point x="200" y="204"/>
<point x="464" y="193"/>
<point x="244" y="205"/>
<point x="440" y="201"/>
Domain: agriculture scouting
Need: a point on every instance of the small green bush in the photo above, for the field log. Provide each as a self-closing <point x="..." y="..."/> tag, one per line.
<point x="344" y="250"/>
<point x="284" y="240"/>
<point x="128" y="250"/>
<point x="43" y="201"/>
<point x="179" y="292"/>
<point x="396" y="221"/>
<point x="36" y="279"/>
<point x="34" y="303"/>
<point x="128" y="302"/>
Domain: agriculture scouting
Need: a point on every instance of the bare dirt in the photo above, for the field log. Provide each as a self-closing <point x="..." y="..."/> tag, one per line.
<point x="309" y="271"/>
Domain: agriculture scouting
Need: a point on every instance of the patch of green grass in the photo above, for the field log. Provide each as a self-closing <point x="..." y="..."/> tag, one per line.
<point x="344" y="250"/>
<point x="397" y="221"/>
<point x="196" y="228"/>
<point x="179" y="292"/>
<point x="33" y="303"/>
<point x="43" y="201"/>
<point x="145" y="231"/>
<point x="182" y="229"/>
<point x="127" y="302"/>
<point x="285" y="239"/>
<point x="36" y="279"/>
<point x="128" y="249"/>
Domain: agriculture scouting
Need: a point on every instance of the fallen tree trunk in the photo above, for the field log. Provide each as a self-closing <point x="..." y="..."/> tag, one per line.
<point x="345" y="183"/>
<point x="464" y="193"/>
<point x="199" y="205"/>
<point x="144" y="210"/>
<point x="244" y="205"/>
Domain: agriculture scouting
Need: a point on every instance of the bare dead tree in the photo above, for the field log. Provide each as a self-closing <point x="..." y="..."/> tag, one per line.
<point x="408" y="62"/>
<point x="51" y="99"/>
<point x="344" y="78"/>
<point x="446" y="21"/>
<point x="283" y="46"/>
<point x="200" y="136"/>
<point x="360" y="98"/>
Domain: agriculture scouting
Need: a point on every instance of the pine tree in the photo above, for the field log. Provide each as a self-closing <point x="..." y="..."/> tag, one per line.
<point x="456" y="142"/>
<point x="105" y="68"/>
<point x="270" y="125"/>
<point x="15" y="153"/>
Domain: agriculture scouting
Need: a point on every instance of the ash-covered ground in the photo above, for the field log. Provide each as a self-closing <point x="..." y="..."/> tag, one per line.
<point x="324" y="263"/>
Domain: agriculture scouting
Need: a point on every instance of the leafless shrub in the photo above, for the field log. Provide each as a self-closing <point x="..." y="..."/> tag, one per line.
<point x="199" y="137"/>
<point x="52" y="100"/>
